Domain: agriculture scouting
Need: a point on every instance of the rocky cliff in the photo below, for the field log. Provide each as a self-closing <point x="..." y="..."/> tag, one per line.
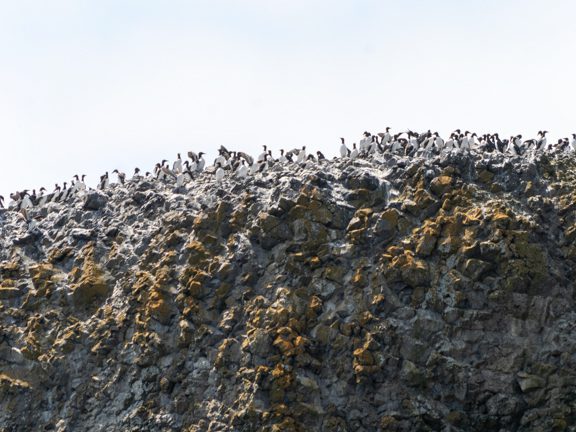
<point x="383" y="295"/>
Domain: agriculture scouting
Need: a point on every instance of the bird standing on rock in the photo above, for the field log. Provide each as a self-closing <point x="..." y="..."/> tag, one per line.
<point x="219" y="176"/>
<point x="121" y="176"/>
<point x="104" y="182"/>
<point x="343" y="149"/>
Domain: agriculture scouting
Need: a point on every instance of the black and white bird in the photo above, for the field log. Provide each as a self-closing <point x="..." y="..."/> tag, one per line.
<point x="354" y="152"/>
<point x="26" y="202"/>
<point x="242" y="170"/>
<point x="262" y="156"/>
<point x="219" y="175"/>
<point x="177" y="165"/>
<point x="200" y="163"/>
<point x="541" y="142"/>
<point x="121" y="176"/>
<point x="343" y="149"/>
<point x="104" y="181"/>
<point x="282" y="159"/>
<point x="301" y="157"/>
<point x="43" y="198"/>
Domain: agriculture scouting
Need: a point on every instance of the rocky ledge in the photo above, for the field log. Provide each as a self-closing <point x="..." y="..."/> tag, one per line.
<point x="382" y="295"/>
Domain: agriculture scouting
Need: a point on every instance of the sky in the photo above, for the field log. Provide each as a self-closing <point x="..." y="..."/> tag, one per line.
<point x="88" y="86"/>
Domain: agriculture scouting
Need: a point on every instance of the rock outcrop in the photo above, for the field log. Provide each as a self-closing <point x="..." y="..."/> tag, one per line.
<point x="383" y="295"/>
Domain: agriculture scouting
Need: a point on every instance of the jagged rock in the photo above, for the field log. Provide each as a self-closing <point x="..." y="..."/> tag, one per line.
<point x="383" y="294"/>
<point x="95" y="200"/>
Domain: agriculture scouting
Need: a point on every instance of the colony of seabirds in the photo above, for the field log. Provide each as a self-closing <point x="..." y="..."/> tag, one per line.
<point x="241" y="165"/>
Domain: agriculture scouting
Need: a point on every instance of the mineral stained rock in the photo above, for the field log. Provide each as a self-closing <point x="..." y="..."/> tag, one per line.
<point x="346" y="296"/>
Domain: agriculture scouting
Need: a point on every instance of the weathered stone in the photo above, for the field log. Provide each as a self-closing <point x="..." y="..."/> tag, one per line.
<point x="441" y="184"/>
<point x="95" y="200"/>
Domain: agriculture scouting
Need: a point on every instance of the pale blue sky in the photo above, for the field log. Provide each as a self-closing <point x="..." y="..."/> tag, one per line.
<point x="89" y="86"/>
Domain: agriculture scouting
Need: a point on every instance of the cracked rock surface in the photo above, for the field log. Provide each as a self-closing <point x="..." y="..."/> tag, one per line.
<point x="381" y="295"/>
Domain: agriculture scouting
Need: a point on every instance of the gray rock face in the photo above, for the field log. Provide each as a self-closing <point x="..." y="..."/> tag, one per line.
<point x="373" y="295"/>
<point x="95" y="200"/>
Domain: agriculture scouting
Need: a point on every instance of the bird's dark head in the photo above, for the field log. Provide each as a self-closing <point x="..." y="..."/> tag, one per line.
<point x="200" y="154"/>
<point x="42" y="189"/>
<point x="544" y="133"/>
<point x="179" y="157"/>
<point x="342" y="140"/>
<point x="115" y="171"/>
<point x="164" y="161"/>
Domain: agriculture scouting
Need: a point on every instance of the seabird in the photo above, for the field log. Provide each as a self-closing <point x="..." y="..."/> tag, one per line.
<point x="249" y="159"/>
<point x="219" y="173"/>
<point x="282" y="159"/>
<point x="450" y="144"/>
<point x="26" y="202"/>
<point x="177" y="166"/>
<point x="438" y="142"/>
<point x="343" y="149"/>
<point x="200" y="162"/>
<point x="184" y="176"/>
<point x="1" y="201"/>
<point x="193" y="156"/>
<point x="541" y="144"/>
<point x="365" y="142"/>
<point x="121" y="176"/>
<point x="500" y="145"/>
<point x="79" y="184"/>
<point x="66" y="192"/>
<point x="262" y="156"/>
<point x="42" y="199"/>
<point x="320" y="156"/>
<point x="301" y="158"/>
<point x="242" y="171"/>
<point x="354" y="152"/>
<point x="167" y="171"/>
<point x="56" y="193"/>
<point x="136" y="174"/>
<point x="386" y="137"/>
<point x="104" y="181"/>
<point x="224" y="152"/>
